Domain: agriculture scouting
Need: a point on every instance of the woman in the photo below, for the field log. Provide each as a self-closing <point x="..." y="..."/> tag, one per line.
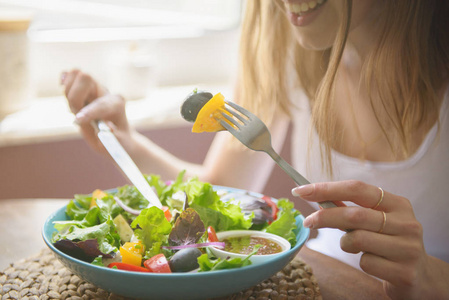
<point x="365" y="84"/>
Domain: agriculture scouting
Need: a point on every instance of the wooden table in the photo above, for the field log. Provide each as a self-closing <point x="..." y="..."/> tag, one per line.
<point x="21" y="222"/>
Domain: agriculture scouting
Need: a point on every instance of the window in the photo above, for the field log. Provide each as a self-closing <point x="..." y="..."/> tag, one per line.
<point x="204" y="14"/>
<point x="122" y="41"/>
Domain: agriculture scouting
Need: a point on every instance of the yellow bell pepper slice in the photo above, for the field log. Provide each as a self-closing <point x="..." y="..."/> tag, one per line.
<point x="132" y="253"/>
<point x="209" y="115"/>
<point x="97" y="194"/>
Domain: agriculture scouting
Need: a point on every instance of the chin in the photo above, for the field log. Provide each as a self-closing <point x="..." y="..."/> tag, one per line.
<point x="315" y="43"/>
<point x="315" y="28"/>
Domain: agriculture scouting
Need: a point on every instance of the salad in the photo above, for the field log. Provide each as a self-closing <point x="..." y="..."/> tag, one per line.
<point x="117" y="229"/>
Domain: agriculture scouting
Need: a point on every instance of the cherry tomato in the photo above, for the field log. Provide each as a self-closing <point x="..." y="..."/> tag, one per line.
<point x="273" y="206"/>
<point x="127" y="267"/>
<point x="211" y="235"/>
<point x="157" y="264"/>
<point x="167" y="213"/>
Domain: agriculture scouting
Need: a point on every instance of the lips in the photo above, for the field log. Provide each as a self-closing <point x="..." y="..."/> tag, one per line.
<point x="302" y="13"/>
<point x="302" y="8"/>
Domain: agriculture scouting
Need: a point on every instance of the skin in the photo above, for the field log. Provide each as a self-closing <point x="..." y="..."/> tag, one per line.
<point x="320" y="34"/>
<point x="89" y="101"/>
<point x="397" y="255"/>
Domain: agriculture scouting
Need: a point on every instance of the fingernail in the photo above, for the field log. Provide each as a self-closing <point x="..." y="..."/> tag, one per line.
<point x="80" y="117"/>
<point x="303" y="190"/>
<point x="307" y="222"/>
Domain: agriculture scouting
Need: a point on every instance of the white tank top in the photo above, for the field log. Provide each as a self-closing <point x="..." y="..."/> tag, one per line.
<point x="423" y="179"/>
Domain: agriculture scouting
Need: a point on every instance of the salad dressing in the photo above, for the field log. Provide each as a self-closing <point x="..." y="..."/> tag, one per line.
<point x="246" y="244"/>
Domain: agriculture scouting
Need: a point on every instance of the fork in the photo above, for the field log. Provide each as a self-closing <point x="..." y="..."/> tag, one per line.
<point x="254" y="134"/>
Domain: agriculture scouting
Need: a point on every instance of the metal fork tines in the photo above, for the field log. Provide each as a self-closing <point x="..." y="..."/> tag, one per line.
<point x="246" y="127"/>
<point x="254" y="134"/>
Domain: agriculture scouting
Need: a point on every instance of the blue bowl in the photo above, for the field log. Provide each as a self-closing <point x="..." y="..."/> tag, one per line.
<point x="203" y="285"/>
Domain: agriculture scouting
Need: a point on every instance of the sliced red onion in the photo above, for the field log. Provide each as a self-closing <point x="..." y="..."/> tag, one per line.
<point x="200" y="245"/>
<point x="126" y="207"/>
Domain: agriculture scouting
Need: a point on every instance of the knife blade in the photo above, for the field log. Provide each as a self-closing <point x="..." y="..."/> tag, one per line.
<point x="125" y="162"/>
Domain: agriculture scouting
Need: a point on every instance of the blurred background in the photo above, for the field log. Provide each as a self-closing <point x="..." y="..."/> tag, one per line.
<point x="153" y="52"/>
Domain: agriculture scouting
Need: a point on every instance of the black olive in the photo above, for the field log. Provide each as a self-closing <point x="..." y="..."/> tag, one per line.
<point x="193" y="104"/>
<point x="185" y="260"/>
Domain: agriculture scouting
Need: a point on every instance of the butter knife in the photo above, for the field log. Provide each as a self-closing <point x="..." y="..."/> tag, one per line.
<point x="125" y="163"/>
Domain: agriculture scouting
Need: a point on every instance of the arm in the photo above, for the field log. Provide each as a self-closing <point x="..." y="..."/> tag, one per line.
<point x="227" y="162"/>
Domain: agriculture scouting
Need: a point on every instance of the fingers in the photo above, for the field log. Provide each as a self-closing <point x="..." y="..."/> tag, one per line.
<point x="80" y="89"/>
<point x="354" y="217"/>
<point x="383" y="227"/>
<point x="108" y="108"/>
<point x="399" y="248"/>
<point x="351" y="217"/>
<point x="393" y="272"/>
<point x="357" y="192"/>
<point x="90" y="101"/>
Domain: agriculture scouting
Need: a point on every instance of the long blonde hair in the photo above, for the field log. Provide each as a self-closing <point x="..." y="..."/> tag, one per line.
<point x="406" y="68"/>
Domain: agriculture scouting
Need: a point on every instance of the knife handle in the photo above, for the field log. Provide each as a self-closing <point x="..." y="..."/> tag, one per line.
<point x="99" y="125"/>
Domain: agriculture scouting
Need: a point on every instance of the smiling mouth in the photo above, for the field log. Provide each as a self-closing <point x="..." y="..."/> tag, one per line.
<point x="305" y="7"/>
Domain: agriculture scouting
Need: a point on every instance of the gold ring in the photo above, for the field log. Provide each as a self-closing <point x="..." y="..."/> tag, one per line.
<point x="381" y="198"/>
<point x="383" y="224"/>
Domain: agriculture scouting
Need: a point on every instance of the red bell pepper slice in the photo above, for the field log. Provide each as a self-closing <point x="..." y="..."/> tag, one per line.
<point x="128" y="267"/>
<point x="157" y="264"/>
<point x="273" y="206"/>
<point x="167" y="213"/>
<point x="211" y="235"/>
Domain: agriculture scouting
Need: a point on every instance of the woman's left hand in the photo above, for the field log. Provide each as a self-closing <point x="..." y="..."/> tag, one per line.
<point x="385" y="229"/>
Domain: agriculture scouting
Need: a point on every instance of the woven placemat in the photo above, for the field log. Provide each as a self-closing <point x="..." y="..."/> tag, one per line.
<point x="42" y="276"/>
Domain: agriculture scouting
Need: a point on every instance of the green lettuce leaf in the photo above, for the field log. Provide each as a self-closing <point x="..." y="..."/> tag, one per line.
<point x="152" y="228"/>
<point x="214" y="212"/>
<point x="207" y="263"/>
<point x="285" y="224"/>
<point x="108" y="208"/>
<point x="78" y="208"/>
<point x="103" y="233"/>
<point x="93" y="223"/>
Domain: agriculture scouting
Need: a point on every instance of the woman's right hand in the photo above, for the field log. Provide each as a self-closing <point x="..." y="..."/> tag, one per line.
<point x="90" y="101"/>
